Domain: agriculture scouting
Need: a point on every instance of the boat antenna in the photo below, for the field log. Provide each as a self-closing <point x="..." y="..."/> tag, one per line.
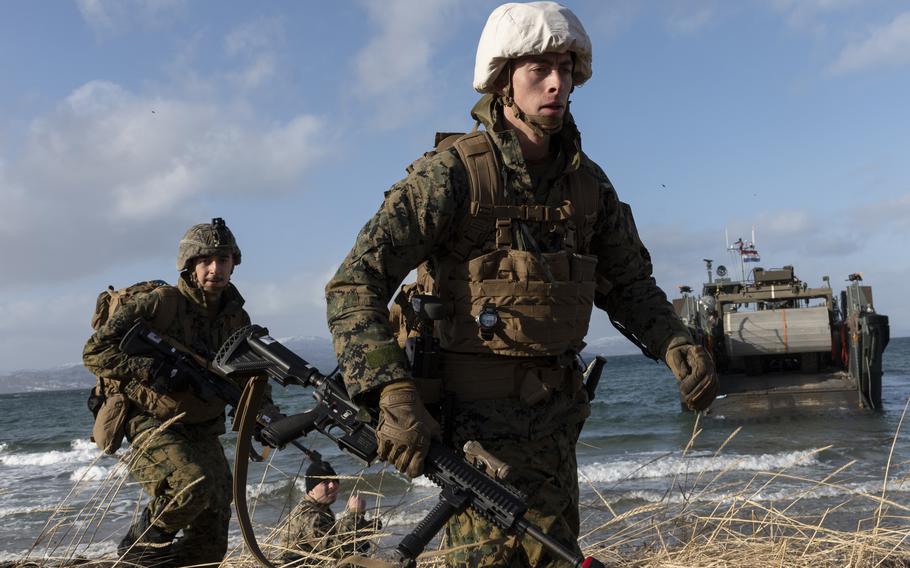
<point x="708" y="262"/>
<point x="747" y="253"/>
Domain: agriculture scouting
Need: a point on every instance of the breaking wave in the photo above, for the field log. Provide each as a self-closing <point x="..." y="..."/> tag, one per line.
<point x="81" y="450"/>
<point x="870" y="489"/>
<point x="404" y="518"/>
<point x="663" y="465"/>
<point x="669" y="466"/>
<point x="97" y="472"/>
<point x="268" y="489"/>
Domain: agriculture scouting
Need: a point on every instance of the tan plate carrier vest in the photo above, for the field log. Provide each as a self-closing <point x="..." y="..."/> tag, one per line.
<point x="543" y="300"/>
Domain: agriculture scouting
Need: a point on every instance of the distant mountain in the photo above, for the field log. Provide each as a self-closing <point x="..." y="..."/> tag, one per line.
<point x="66" y="377"/>
<point x="315" y="350"/>
<point x="610" y="346"/>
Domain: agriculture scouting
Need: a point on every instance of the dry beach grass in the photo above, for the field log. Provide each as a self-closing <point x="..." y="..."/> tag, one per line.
<point x="704" y="520"/>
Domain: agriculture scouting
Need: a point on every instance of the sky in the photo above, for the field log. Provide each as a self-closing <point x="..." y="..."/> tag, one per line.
<point x="125" y="122"/>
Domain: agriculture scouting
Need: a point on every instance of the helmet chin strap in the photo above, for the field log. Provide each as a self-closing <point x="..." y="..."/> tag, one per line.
<point x="541" y="125"/>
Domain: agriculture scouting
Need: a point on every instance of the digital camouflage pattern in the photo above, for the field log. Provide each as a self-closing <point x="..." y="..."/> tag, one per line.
<point x="169" y="463"/>
<point x="419" y="219"/>
<point x="538" y="442"/>
<point x="422" y="215"/>
<point x="313" y="536"/>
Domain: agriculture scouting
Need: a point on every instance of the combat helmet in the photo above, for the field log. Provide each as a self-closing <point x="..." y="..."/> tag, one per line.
<point x="516" y="30"/>
<point x="207" y="239"/>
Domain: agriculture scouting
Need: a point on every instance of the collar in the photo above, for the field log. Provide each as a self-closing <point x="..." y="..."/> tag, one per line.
<point x="488" y="111"/>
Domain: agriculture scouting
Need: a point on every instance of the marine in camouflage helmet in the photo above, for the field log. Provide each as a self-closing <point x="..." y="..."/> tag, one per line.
<point x="538" y="242"/>
<point x="207" y="239"/>
<point x="182" y="467"/>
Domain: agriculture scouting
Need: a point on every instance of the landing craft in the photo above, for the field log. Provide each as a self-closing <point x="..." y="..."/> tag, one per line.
<point x="781" y="346"/>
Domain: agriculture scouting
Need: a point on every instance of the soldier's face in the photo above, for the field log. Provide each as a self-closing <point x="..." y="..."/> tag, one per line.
<point x="541" y="83"/>
<point x="326" y="492"/>
<point x="213" y="273"/>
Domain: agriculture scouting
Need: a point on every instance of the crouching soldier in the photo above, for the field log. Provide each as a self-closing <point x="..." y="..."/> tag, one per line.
<point x="314" y="537"/>
<point x="181" y="466"/>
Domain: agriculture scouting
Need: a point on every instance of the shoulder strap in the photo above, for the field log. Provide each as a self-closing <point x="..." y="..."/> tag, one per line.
<point x="168" y="303"/>
<point x="478" y="154"/>
<point x="490" y="208"/>
<point x="584" y="193"/>
<point x="479" y="158"/>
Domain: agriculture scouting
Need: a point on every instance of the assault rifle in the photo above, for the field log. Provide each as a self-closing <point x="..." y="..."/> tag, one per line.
<point x="144" y="341"/>
<point x="251" y="351"/>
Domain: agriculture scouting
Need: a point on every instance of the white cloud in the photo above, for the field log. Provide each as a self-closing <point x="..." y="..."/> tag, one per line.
<point x="263" y="34"/>
<point x="607" y="20"/>
<point x="44" y="332"/>
<point x="810" y="14"/>
<point x="256" y="43"/>
<point x="256" y="74"/>
<point x="891" y="214"/>
<point x="691" y="17"/>
<point x="292" y="306"/>
<point x="18" y="315"/>
<point x="299" y="291"/>
<point x="394" y="69"/>
<point x="787" y="223"/>
<point x="117" y="16"/>
<point x="886" y="46"/>
<point x="108" y="171"/>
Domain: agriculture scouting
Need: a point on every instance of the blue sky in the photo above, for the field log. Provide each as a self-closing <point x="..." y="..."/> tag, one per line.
<point x="126" y="122"/>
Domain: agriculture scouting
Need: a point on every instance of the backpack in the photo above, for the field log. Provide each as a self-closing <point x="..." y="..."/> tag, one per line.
<point x="110" y="300"/>
<point x="108" y="405"/>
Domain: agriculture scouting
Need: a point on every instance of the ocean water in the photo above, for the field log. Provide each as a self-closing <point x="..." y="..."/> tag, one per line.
<point x="637" y="452"/>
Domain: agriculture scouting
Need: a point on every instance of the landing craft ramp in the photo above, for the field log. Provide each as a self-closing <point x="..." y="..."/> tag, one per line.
<point x="746" y="396"/>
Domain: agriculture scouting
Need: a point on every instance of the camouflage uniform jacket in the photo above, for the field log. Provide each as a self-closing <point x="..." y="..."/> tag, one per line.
<point x="191" y="326"/>
<point x="422" y="215"/>
<point x="312" y="529"/>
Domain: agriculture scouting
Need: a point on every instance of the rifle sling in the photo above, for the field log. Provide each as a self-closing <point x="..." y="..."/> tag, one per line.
<point x="243" y="424"/>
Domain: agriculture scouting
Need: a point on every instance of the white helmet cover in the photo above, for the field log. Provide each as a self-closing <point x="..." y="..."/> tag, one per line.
<point x="515" y="30"/>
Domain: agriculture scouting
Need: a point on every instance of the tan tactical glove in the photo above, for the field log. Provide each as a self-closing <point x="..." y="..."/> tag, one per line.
<point x="405" y="428"/>
<point x="695" y="371"/>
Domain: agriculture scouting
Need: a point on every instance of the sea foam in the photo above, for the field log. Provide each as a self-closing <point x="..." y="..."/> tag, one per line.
<point x="80" y="451"/>
<point x="674" y="465"/>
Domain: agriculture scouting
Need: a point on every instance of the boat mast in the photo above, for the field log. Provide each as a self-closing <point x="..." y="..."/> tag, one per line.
<point x="745" y="250"/>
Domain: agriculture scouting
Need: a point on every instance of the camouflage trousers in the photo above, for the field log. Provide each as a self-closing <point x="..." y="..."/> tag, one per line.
<point x="184" y="471"/>
<point x="538" y="442"/>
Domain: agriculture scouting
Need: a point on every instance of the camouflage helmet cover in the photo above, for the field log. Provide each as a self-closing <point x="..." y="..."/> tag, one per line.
<point x="207" y="239"/>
